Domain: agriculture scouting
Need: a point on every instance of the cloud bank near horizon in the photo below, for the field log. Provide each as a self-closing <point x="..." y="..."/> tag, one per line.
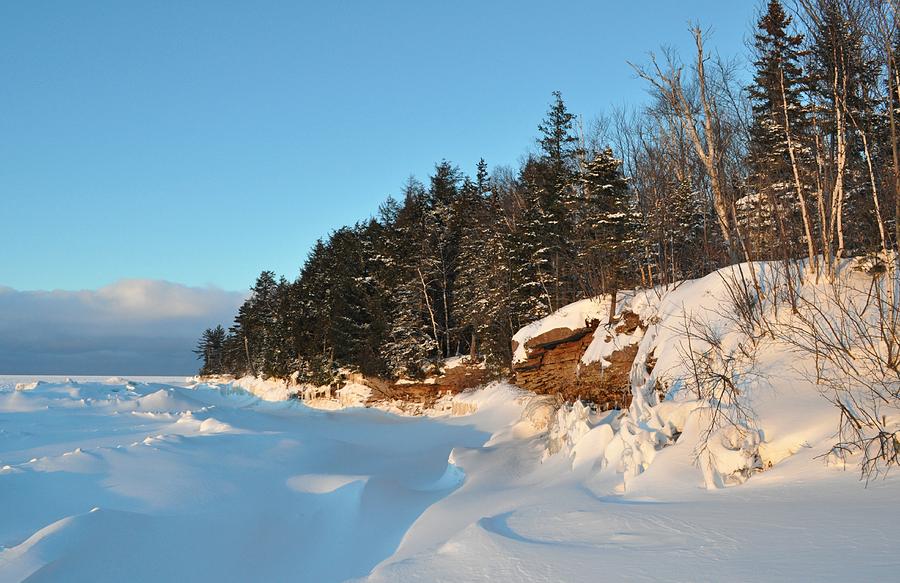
<point x="131" y="327"/>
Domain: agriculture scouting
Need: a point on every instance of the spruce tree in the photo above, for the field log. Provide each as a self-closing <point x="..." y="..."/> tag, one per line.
<point x="609" y="224"/>
<point x="843" y="73"/>
<point x="413" y="336"/>
<point x="482" y="283"/>
<point x="770" y="213"/>
<point x="255" y="324"/>
<point x="211" y="349"/>
<point x="533" y="250"/>
<point x="554" y="185"/>
<point x="440" y="263"/>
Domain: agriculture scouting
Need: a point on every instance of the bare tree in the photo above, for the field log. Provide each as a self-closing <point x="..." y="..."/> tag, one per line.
<point x="849" y="331"/>
<point x="700" y="121"/>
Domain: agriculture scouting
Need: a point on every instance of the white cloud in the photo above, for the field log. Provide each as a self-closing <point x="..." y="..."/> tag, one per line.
<point x="134" y="326"/>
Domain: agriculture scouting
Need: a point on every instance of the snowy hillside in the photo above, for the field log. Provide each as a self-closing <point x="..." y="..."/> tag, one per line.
<point x="102" y="481"/>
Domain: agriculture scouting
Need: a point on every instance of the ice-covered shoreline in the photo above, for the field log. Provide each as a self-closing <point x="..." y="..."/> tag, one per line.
<point x="207" y="483"/>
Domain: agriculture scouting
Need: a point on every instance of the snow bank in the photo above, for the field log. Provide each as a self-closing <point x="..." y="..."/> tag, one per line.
<point x="353" y="395"/>
<point x="266" y="389"/>
<point x="28" y="386"/>
<point x="458" y="361"/>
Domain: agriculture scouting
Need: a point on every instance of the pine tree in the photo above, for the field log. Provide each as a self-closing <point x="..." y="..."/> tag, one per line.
<point x="412" y="335"/>
<point x="684" y="219"/>
<point x="357" y="322"/>
<point x="255" y="325"/>
<point x="770" y="214"/>
<point x="482" y="282"/>
<point x="533" y="250"/>
<point x="554" y="185"/>
<point x="496" y="322"/>
<point x="211" y="349"/>
<point x="279" y="359"/>
<point x="440" y="262"/>
<point x="842" y="74"/>
<point x="609" y="224"/>
<point x="312" y="312"/>
<point x="560" y="147"/>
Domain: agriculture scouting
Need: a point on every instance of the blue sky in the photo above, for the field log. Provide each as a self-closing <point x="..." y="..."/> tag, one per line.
<point x="201" y="142"/>
<point x="164" y="153"/>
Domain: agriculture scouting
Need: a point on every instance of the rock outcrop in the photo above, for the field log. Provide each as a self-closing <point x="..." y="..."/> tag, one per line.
<point x="555" y="366"/>
<point x="452" y="380"/>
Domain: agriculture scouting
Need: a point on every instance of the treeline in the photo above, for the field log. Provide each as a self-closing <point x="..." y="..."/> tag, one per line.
<point x="802" y="162"/>
<point x="453" y="267"/>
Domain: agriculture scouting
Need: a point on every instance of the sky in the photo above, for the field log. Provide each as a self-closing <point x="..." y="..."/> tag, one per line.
<point x="132" y="327"/>
<point x="198" y="143"/>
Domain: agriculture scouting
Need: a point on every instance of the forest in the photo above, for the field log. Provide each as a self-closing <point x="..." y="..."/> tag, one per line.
<point x="798" y="165"/>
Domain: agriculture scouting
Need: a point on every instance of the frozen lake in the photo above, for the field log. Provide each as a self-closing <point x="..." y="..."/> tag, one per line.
<point x="150" y="480"/>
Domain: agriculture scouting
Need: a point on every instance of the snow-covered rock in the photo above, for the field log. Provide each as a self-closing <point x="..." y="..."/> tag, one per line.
<point x="571" y="317"/>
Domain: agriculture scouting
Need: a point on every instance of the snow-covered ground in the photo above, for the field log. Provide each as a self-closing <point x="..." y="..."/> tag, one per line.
<point x="169" y="481"/>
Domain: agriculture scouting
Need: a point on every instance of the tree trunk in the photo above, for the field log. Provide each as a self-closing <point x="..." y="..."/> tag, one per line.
<point x="836" y="224"/>
<point x="612" y="306"/>
<point x="804" y="212"/>
<point x="247" y="353"/>
<point x="711" y="159"/>
<point x="434" y="326"/>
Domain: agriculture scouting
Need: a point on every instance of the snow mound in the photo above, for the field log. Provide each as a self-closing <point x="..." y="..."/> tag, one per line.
<point x="323" y="483"/>
<point x="539" y="412"/>
<point x="29" y="386"/>
<point x="211" y="425"/>
<point x="266" y="389"/>
<point x="353" y="395"/>
<point x="166" y="401"/>
<point x="458" y="361"/>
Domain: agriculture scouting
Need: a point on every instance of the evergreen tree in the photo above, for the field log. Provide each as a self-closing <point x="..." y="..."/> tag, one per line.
<point x="482" y="282"/>
<point x="255" y="325"/>
<point x="682" y="218"/>
<point x="843" y="74"/>
<point x="440" y="262"/>
<point x="357" y="320"/>
<point x="559" y="147"/>
<point x="211" y="349"/>
<point x="770" y="214"/>
<point x="533" y="250"/>
<point x="553" y="185"/>
<point x="609" y="225"/>
<point x="413" y="335"/>
<point x="314" y="292"/>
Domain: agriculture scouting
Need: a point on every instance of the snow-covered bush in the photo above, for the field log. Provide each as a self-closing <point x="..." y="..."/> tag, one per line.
<point x="848" y="328"/>
<point x="729" y="455"/>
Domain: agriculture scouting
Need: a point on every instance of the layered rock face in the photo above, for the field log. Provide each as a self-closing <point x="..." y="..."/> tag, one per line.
<point x="453" y="379"/>
<point x="555" y="364"/>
